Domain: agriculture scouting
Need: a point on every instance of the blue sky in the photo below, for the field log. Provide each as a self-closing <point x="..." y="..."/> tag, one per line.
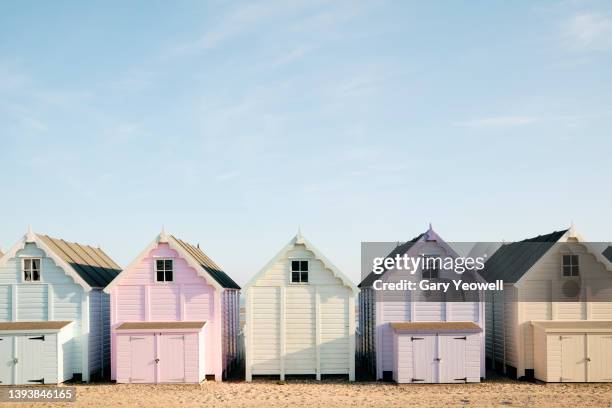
<point x="234" y="123"/>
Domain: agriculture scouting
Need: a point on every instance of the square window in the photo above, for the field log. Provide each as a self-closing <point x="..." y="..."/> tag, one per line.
<point x="299" y="271"/>
<point x="570" y="265"/>
<point x="163" y="270"/>
<point x="430" y="267"/>
<point x="31" y="270"/>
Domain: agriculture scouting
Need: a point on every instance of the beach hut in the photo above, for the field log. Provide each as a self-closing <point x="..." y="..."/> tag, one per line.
<point x="174" y="316"/>
<point x="553" y="319"/>
<point x="54" y="317"/>
<point x="300" y="316"/>
<point x="408" y="337"/>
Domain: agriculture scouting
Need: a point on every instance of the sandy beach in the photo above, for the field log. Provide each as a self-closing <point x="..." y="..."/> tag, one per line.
<point x="339" y="393"/>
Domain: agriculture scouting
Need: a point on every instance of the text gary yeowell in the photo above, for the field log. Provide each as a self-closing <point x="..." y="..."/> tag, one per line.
<point x="411" y="264"/>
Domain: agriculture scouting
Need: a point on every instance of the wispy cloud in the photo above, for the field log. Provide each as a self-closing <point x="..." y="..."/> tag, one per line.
<point x="235" y="23"/>
<point x="591" y="31"/>
<point x="497" y="121"/>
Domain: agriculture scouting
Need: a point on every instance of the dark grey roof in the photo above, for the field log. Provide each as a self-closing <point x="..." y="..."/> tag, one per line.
<point x="92" y="264"/>
<point x="212" y="268"/>
<point x="398" y="250"/>
<point x="608" y="253"/>
<point x="511" y="261"/>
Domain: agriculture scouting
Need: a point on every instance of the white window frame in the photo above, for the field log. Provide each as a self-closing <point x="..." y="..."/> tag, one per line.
<point x="571" y="265"/>
<point x="40" y="269"/>
<point x="291" y="271"/>
<point x="164" y="270"/>
<point x="425" y="257"/>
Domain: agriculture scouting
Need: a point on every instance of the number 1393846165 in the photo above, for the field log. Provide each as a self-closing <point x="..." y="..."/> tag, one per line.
<point x="37" y="394"/>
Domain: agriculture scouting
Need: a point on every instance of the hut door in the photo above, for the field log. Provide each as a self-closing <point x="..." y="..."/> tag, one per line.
<point x="599" y="358"/>
<point x="573" y="357"/>
<point x="29" y="355"/>
<point x="452" y="358"/>
<point x="171" y="357"/>
<point x="7" y="362"/>
<point x="425" y="363"/>
<point x="142" y="358"/>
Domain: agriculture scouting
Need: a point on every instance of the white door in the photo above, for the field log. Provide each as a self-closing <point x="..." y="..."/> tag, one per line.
<point x="599" y="357"/>
<point x="143" y="364"/>
<point x="7" y="358"/>
<point x="171" y="355"/>
<point x="425" y="359"/>
<point x="452" y="358"/>
<point x="30" y="353"/>
<point x="573" y="357"/>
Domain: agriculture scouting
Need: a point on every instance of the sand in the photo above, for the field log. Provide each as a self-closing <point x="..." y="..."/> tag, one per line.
<point x="338" y="393"/>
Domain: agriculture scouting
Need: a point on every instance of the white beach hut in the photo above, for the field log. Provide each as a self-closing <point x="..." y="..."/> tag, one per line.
<point x="300" y="316"/>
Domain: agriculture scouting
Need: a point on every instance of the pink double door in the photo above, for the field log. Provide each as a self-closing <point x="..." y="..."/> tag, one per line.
<point x="157" y="358"/>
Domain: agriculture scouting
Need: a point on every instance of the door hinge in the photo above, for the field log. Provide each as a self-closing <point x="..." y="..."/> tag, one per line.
<point x="41" y="381"/>
<point x="37" y="338"/>
<point x="416" y="338"/>
<point x="416" y="379"/>
<point x="460" y="338"/>
<point x="464" y="379"/>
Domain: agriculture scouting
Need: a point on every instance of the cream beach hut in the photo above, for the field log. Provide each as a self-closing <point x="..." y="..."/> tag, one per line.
<point x="553" y="320"/>
<point x="300" y="316"/>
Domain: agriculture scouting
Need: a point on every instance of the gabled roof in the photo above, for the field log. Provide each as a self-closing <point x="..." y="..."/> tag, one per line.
<point x="398" y="250"/>
<point x="89" y="267"/>
<point x="607" y="253"/>
<point x="511" y="261"/>
<point x="215" y="271"/>
<point x="300" y="240"/>
<point x="194" y="256"/>
<point x="92" y="264"/>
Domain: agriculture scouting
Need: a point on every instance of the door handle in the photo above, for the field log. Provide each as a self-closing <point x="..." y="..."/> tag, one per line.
<point x="588" y="359"/>
<point x="156" y="361"/>
<point x="15" y="360"/>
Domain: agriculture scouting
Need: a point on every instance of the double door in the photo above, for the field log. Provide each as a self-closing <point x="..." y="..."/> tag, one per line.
<point x="439" y="359"/>
<point x="28" y="359"/>
<point x="157" y="358"/>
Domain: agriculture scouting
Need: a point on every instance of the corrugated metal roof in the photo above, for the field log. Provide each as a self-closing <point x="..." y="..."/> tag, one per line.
<point x="399" y="250"/>
<point x="436" y="326"/>
<point x="212" y="268"/>
<point x="511" y="261"/>
<point x="608" y="253"/>
<point x="48" y="325"/>
<point x="160" y="325"/>
<point x="92" y="264"/>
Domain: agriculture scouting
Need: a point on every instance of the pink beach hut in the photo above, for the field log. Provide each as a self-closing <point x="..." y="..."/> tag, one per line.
<point x="174" y="316"/>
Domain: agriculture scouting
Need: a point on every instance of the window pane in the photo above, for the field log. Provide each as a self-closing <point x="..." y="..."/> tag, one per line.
<point x="27" y="277"/>
<point x="168" y="276"/>
<point x="304" y="276"/>
<point x="567" y="270"/>
<point x="168" y="264"/>
<point x="574" y="259"/>
<point x="160" y="276"/>
<point x="295" y="277"/>
<point x="35" y="275"/>
<point x="159" y="265"/>
<point x="295" y="265"/>
<point x="304" y="266"/>
<point x="566" y="260"/>
<point x="36" y="264"/>
<point x="575" y="270"/>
